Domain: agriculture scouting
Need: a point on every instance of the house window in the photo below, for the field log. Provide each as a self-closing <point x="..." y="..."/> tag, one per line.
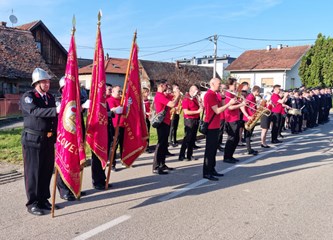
<point x="39" y="46"/>
<point x="292" y="83"/>
<point x="267" y="82"/>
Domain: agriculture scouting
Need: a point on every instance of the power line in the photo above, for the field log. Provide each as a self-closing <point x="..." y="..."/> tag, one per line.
<point x="268" y="39"/>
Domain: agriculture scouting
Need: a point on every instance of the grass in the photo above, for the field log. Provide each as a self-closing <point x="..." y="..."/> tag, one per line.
<point x="11" y="148"/>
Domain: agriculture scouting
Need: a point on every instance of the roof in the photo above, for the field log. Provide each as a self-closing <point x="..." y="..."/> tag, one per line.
<point x="170" y="71"/>
<point x="19" y="54"/>
<point x="28" y="26"/>
<point x="274" y="59"/>
<point x="112" y="65"/>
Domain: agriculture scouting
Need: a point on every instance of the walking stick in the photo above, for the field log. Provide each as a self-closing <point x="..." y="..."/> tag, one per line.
<point x="54" y="192"/>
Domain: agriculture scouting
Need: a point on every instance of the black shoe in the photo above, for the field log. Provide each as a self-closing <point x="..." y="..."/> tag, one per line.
<point x="216" y="174"/>
<point x="181" y="158"/>
<point x="101" y="187"/>
<point x="276" y="141"/>
<point x="47" y="205"/>
<point x="68" y="197"/>
<point x="229" y="160"/>
<point x="166" y="168"/>
<point x="210" y="177"/>
<point x="169" y="154"/>
<point x="220" y="148"/>
<point x="159" y="172"/>
<point x="235" y="159"/>
<point x="253" y="152"/>
<point x="281" y="136"/>
<point x="113" y="169"/>
<point x="35" y="210"/>
<point x="175" y="144"/>
<point x="196" y="147"/>
<point x="192" y="158"/>
<point x="241" y="145"/>
<point x="265" y="146"/>
<point x="148" y="150"/>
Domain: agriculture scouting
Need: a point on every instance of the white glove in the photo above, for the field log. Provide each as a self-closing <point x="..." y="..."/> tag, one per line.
<point x="119" y="110"/>
<point x="86" y="104"/>
<point x="58" y="108"/>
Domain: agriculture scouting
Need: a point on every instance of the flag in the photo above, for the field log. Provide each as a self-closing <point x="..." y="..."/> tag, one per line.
<point x="97" y="118"/>
<point x="136" y="133"/>
<point x="69" y="145"/>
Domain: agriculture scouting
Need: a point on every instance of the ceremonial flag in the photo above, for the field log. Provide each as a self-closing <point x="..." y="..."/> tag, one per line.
<point x="97" y="119"/>
<point x="136" y="133"/>
<point x="69" y="145"/>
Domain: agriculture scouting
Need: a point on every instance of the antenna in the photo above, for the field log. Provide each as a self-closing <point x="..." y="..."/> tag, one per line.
<point x="13" y="19"/>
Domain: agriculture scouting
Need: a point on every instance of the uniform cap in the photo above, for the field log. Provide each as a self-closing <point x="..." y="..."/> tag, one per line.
<point x="39" y="74"/>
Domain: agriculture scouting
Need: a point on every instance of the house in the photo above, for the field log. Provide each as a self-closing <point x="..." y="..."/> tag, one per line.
<point x="270" y="66"/>
<point x="221" y="63"/>
<point x="115" y="71"/>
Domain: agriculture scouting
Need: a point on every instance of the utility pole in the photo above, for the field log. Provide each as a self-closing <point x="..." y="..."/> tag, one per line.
<point x="215" y="54"/>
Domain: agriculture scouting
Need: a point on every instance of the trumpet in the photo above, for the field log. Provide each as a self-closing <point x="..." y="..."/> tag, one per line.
<point x="205" y="85"/>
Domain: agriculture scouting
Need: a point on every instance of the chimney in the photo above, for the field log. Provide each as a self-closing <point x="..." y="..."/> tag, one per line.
<point x="107" y="56"/>
<point x="3" y="24"/>
<point x="279" y="46"/>
<point x="269" y="47"/>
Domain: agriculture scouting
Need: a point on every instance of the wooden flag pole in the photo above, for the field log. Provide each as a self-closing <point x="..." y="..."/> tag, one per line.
<point x="114" y="144"/>
<point x="54" y="191"/>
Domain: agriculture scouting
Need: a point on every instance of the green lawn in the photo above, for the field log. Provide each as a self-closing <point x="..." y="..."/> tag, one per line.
<point x="11" y="149"/>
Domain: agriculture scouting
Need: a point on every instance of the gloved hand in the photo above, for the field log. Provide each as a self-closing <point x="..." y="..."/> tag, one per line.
<point x="86" y="104"/>
<point x="119" y="110"/>
<point x="58" y="108"/>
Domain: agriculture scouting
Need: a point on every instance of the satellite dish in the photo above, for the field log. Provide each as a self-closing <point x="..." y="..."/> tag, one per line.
<point x="13" y="19"/>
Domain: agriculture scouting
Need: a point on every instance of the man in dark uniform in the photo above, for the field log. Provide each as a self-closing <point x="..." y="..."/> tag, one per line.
<point x="38" y="138"/>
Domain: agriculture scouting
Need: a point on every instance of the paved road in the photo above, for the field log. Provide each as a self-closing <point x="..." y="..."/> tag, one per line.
<point x="285" y="192"/>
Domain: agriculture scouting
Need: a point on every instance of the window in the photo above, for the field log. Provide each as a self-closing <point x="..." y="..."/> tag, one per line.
<point x="267" y="82"/>
<point x="292" y="83"/>
<point x="39" y="46"/>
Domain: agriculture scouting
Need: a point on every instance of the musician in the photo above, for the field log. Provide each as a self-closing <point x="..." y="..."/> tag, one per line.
<point x="284" y="117"/>
<point x="175" y="112"/>
<point x="231" y="121"/>
<point x="161" y="101"/>
<point x="108" y="90"/>
<point x="212" y="111"/>
<point x="221" y="97"/>
<point x="244" y="86"/>
<point x="296" y="120"/>
<point x="146" y="104"/>
<point x="249" y="111"/>
<point x="192" y="109"/>
<point x="265" y="121"/>
<point x="278" y="104"/>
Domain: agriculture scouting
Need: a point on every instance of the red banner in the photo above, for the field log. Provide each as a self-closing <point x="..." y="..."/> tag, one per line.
<point x="97" y="119"/>
<point x="136" y="134"/>
<point x="69" y="145"/>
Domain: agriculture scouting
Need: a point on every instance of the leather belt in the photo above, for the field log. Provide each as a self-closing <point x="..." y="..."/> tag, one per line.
<point x="39" y="133"/>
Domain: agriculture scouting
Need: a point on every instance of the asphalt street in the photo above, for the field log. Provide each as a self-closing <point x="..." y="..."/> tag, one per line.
<point x="285" y="192"/>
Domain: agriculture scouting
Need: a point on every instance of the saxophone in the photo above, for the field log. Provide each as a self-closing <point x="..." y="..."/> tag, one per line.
<point x="262" y="110"/>
<point x="173" y="111"/>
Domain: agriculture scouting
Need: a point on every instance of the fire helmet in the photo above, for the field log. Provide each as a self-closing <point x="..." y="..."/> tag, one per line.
<point x="61" y="82"/>
<point x="39" y="74"/>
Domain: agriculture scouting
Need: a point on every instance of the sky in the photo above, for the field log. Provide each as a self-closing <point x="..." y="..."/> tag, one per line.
<point x="172" y="30"/>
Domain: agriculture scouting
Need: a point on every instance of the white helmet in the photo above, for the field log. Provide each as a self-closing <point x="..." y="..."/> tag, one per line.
<point x="61" y="82"/>
<point x="39" y="74"/>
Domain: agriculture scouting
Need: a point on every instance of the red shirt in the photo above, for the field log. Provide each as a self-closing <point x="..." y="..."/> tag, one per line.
<point x="219" y="97"/>
<point x="251" y="104"/>
<point x="160" y="102"/>
<point x="277" y="107"/>
<point x="115" y="102"/>
<point x="231" y="115"/>
<point x="191" y="104"/>
<point x="147" y="107"/>
<point x="210" y="99"/>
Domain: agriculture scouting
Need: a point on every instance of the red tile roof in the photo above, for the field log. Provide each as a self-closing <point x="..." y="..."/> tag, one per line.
<point x="273" y="59"/>
<point x="112" y="65"/>
<point x="19" y="54"/>
<point x="28" y="26"/>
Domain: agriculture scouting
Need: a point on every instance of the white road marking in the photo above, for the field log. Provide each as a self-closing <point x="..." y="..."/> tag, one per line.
<point x="102" y="228"/>
<point x="254" y="158"/>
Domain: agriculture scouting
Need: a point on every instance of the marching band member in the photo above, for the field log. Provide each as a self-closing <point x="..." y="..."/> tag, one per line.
<point x="192" y="109"/>
<point x="296" y="120"/>
<point x="146" y="104"/>
<point x="232" y="122"/>
<point x="175" y="112"/>
<point x="265" y="121"/>
<point x="248" y="112"/>
<point x="221" y="97"/>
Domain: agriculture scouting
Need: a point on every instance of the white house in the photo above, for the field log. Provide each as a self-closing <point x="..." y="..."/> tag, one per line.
<point x="270" y="66"/>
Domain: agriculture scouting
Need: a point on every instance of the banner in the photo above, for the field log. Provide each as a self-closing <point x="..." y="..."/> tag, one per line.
<point x="136" y="133"/>
<point x="69" y="145"/>
<point x="97" y="118"/>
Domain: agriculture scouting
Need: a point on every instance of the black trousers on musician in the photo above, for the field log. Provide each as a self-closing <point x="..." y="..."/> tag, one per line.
<point x="162" y="146"/>
<point x="221" y="131"/>
<point x="247" y="136"/>
<point x="232" y="129"/>
<point x="148" y="128"/>
<point x="191" y="127"/>
<point x="209" y="163"/>
<point x="276" y="120"/>
<point x="97" y="172"/>
<point x="174" y="128"/>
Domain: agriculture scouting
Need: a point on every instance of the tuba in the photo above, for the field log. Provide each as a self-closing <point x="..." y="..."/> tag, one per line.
<point x="262" y="110"/>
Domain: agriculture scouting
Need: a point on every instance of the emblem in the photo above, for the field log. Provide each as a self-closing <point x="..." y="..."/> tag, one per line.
<point x="28" y="100"/>
<point x="69" y="116"/>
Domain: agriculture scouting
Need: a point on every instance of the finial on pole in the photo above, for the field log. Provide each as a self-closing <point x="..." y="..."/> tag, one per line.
<point x="99" y="16"/>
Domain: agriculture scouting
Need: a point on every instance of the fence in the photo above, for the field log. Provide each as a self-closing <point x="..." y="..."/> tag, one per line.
<point x="10" y="105"/>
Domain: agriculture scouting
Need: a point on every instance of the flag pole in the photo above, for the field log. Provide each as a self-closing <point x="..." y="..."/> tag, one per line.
<point x="54" y="191"/>
<point x="114" y="143"/>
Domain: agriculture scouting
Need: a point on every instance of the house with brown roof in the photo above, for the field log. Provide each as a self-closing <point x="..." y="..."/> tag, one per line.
<point x="270" y="66"/>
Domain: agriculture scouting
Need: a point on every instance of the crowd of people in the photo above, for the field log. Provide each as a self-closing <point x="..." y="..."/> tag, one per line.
<point x="229" y="108"/>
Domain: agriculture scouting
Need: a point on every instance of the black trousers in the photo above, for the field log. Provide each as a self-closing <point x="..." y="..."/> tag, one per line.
<point x="232" y="129"/>
<point x="247" y="136"/>
<point x="276" y="120"/>
<point x="38" y="170"/>
<point x="191" y="127"/>
<point x="174" y="128"/>
<point x="162" y="146"/>
<point x="97" y="172"/>
<point x="221" y="131"/>
<point x="209" y="163"/>
<point x="296" y="123"/>
<point x="120" y="142"/>
<point x="62" y="187"/>
<point x="148" y="128"/>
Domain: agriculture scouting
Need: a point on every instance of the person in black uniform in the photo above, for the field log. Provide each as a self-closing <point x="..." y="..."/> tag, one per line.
<point x="296" y="120"/>
<point x="38" y="138"/>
